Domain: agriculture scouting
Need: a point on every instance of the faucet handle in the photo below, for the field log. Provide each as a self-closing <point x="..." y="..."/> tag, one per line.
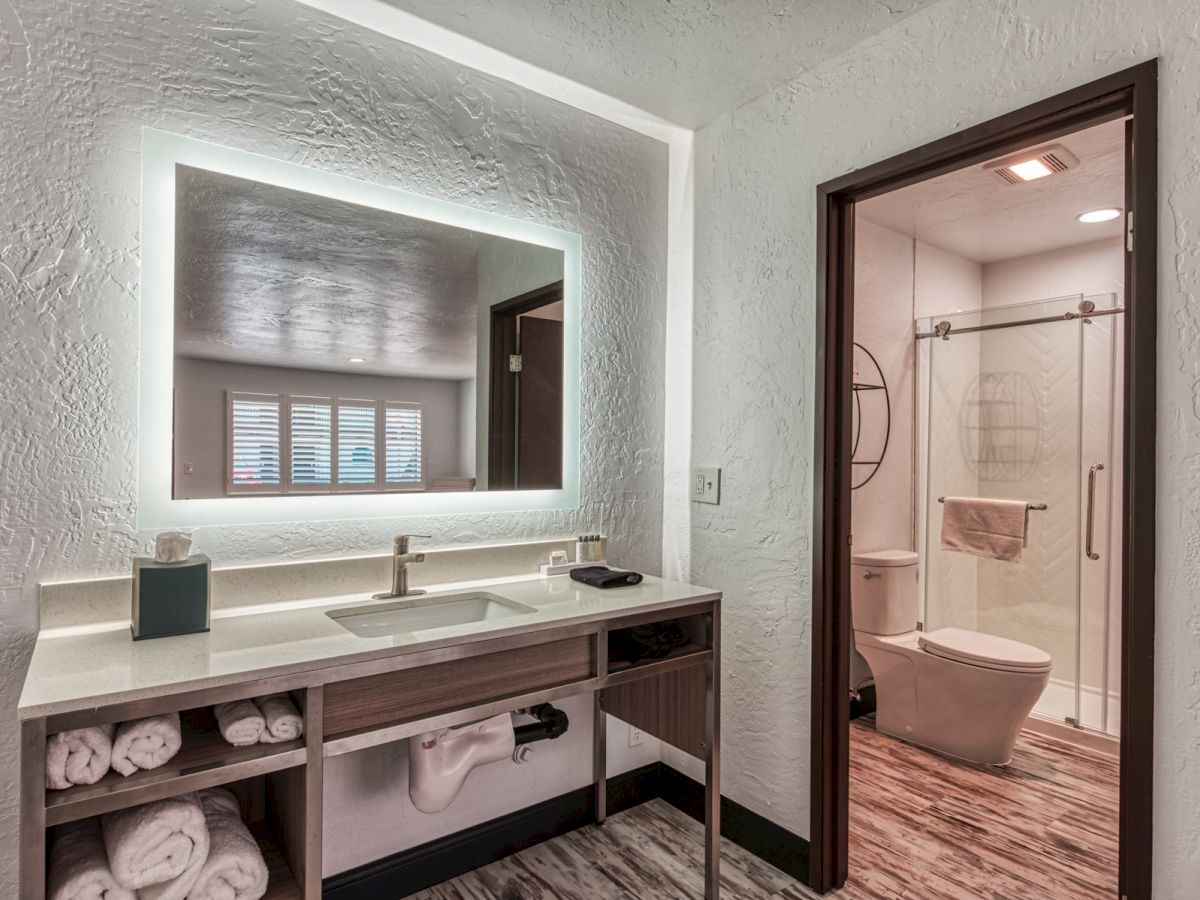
<point x="402" y="541"/>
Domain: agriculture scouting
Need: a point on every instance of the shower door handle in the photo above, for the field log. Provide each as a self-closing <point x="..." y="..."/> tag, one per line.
<point x="1091" y="509"/>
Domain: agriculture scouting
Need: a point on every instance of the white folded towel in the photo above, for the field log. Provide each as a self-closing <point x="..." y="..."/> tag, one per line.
<point x="283" y="720"/>
<point x="157" y="849"/>
<point x="79" y="756"/>
<point x="240" y="722"/>
<point x="235" y="869"/>
<point x="79" y="866"/>
<point x="146" y="743"/>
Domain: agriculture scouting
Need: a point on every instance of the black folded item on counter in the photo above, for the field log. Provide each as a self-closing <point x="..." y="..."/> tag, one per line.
<point x="604" y="577"/>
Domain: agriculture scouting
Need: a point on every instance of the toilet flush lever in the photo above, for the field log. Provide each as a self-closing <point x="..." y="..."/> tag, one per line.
<point x="869" y="574"/>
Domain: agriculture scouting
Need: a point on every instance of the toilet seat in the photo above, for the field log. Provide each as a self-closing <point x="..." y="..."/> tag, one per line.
<point x="985" y="651"/>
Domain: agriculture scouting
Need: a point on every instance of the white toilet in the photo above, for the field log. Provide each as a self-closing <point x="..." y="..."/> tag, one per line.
<point x="959" y="692"/>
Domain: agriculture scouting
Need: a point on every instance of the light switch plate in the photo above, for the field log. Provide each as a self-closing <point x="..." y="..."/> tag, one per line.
<point x="706" y="484"/>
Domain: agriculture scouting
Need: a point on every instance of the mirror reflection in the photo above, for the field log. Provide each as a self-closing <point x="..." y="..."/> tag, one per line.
<point x="327" y="347"/>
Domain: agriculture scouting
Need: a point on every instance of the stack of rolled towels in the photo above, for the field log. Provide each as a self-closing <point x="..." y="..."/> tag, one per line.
<point x="84" y="755"/>
<point x="191" y="847"/>
<point x="264" y="720"/>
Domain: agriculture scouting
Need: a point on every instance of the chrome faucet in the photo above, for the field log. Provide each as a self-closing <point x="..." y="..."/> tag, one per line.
<point x="400" y="560"/>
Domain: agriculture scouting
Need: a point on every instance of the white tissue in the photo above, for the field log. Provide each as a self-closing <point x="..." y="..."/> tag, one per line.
<point x="172" y="547"/>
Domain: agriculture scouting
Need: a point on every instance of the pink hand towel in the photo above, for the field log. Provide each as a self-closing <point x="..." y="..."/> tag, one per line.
<point x="994" y="529"/>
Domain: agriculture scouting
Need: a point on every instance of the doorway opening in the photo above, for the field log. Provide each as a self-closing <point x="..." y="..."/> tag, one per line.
<point x="525" y="415"/>
<point x="983" y="610"/>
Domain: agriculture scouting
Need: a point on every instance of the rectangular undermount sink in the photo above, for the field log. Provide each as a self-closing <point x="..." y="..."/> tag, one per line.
<point x="426" y="613"/>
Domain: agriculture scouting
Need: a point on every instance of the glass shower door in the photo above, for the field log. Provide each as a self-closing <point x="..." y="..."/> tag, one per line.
<point x="1002" y="418"/>
<point x="1102" y="387"/>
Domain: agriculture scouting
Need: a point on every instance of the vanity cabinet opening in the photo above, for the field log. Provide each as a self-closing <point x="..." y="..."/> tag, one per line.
<point x="273" y="809"/>
<point x="649" y="643"/>
<point x="204" y="758"/>
<point x="270" y="806"/>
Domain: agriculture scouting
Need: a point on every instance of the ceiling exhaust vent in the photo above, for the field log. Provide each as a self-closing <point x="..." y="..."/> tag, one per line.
<point x="1030" y="165"/>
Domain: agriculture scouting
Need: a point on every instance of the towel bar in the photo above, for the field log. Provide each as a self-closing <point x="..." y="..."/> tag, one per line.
<point x="1030" y="505"/>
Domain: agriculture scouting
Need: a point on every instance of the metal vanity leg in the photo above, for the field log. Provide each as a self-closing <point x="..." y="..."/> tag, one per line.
<point x="600" y="731"/>
<point x="712" y="762"/>
<point x="314" y="791"/>
<point x="33" y="809"/>
<point x="600" y="758"/>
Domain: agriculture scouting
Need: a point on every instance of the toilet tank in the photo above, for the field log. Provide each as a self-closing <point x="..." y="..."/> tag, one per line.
<point x="883" y="591"/>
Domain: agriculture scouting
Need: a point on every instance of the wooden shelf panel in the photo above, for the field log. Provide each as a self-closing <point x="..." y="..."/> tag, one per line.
<point x="669" y="704"/>
<point x="204" y="760"/>
<point x="282" y="884"/>
<point x="624" y="665"/>
<point x="361" y="738"/>
<point x="411" y="695"/>
<point x="620" y="671"/>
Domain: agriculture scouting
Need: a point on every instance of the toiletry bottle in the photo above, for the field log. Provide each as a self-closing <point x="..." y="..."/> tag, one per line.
<point x="581" y="549"/>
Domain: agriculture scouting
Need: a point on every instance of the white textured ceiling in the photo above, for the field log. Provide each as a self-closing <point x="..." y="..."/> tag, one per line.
<point x="684" y="60"/>
<point x="975" y="214"/>
<point x="277" y="277"/>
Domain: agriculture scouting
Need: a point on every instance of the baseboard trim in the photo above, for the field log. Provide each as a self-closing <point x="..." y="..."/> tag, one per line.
<point x="768" y="841"/>
<point x="440" y="860"/>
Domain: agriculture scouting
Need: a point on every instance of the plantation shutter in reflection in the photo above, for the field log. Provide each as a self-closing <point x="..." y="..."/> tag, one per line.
<point x="402" y="437"/>
<point x="254" y="442"/>
<point x="356" y="444"/>
<point x="312" y="442"/>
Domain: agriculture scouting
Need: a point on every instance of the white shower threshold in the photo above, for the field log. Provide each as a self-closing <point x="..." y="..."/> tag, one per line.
<point x="1058" y="703"/>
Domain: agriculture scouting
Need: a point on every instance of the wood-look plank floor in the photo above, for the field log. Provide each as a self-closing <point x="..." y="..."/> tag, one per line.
<point x="927" y="827"/>
<point x="651" y="852"/>
<point x="922" y="826"/>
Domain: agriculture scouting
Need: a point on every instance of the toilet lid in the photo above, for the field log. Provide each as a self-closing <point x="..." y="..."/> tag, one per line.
<point x="984" y="650"/>
<point x="884" y="558"/>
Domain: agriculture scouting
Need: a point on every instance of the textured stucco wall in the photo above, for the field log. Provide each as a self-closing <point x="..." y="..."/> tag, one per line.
<point x="78" y="80"/>
<point x="948" y="66"/>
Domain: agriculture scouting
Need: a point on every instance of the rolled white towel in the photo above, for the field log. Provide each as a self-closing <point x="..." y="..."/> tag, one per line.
<point x="240" y="722"/>
<point x="146" y="743"/>
<point x="283" y="720"/>
<point x="157" y="849"/>
<point x="79" y="866"/>
<point x="79" y="756"/>
<point x="235" y="869"/>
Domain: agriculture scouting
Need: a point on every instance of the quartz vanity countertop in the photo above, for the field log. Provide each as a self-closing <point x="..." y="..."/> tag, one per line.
<point x="75" y="669"/>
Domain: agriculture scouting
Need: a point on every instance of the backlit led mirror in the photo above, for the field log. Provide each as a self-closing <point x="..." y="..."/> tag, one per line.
<point x="315" y="346"/>
<point x="324" y="347"/>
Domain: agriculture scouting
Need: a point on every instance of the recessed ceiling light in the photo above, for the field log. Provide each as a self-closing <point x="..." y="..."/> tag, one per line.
<point x="356" y="359"/>
<point x="1030" y="169"/>
<point x="1030" y="165"/>
<point x="1099" y="215"/>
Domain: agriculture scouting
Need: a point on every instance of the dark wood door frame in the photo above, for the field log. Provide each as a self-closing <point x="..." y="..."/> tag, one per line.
<point x="1132" y="91"/>
<point x="502" y="391"/>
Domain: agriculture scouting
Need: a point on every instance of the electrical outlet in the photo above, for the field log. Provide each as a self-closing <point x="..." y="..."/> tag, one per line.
<point x="706" y="484"/>
<point x="635" y="737"/>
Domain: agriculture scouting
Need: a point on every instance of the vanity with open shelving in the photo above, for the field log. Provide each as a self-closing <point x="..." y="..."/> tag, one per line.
<point x="352" y="702"/>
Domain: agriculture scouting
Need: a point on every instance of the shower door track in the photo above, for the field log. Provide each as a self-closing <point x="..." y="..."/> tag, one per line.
<point x="944" y="330"/>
